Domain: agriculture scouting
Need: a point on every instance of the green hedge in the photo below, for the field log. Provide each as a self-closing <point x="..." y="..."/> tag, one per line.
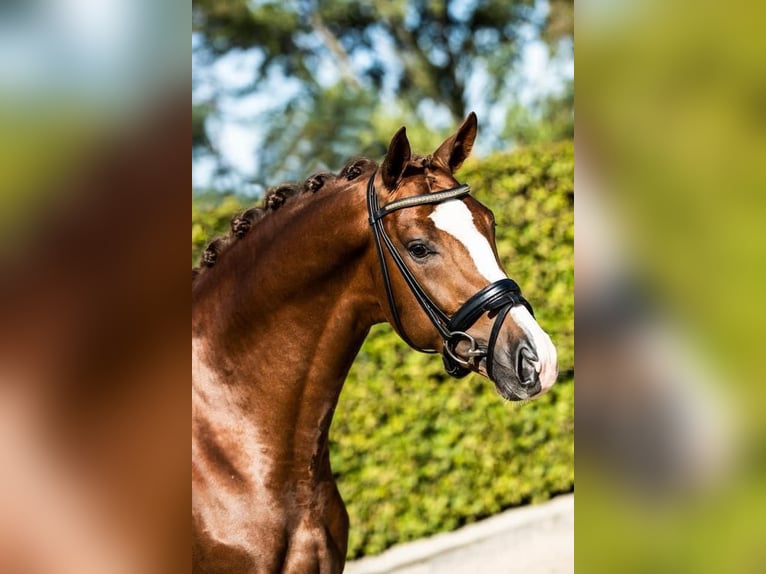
<point x="415" y="452"/>
<point x="211" y="215"/>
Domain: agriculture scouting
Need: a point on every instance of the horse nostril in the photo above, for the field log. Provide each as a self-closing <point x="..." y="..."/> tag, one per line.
<point x="525" y="366"/>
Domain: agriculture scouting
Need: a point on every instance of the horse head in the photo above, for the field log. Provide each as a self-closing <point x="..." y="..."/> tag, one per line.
<point x="445" y="288"/>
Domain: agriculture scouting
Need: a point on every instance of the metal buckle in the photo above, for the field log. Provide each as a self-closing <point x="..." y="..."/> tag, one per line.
<point x="473" y="352"/>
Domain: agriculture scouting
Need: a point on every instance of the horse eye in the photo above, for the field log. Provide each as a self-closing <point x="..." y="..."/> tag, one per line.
<point x="418" y="250"/>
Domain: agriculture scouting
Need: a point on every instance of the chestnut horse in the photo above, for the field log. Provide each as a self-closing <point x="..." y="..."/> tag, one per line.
<point x="281" y="310"/>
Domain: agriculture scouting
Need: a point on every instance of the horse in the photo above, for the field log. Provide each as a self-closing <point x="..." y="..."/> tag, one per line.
<point x="283" y="309"/>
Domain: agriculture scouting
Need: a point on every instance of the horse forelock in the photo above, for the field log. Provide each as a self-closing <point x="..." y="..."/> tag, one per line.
<point x="421" y="165"/>
<point x="274" y="199"/>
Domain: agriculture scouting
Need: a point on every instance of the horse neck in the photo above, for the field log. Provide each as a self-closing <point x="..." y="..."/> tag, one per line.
<point x="277" y="331"/>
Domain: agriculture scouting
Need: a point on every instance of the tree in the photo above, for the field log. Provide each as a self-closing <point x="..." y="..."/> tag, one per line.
<point x="560" y="20"/>
<point x="422" y="58"/>
<point x="548" y="120"/>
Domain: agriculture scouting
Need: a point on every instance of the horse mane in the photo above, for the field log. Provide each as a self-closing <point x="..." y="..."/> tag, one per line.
<point x="275" y="198"/>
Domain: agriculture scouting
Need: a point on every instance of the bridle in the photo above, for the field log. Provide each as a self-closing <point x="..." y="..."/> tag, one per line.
<point x="497" y="297"/>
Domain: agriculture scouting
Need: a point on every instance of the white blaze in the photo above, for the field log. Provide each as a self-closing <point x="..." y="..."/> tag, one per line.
<point x="455" y="218"/>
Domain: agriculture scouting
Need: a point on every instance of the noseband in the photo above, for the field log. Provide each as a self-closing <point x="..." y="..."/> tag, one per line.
<point x="498" y="297"/>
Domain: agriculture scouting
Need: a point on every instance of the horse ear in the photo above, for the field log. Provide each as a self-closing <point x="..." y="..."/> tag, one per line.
<point x="397" y="156"/>
<point x="456" y="148"/>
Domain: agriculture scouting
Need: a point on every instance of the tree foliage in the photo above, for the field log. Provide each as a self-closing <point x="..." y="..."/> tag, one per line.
<point x="549" y="120"/>
<point x="560" y="21"/>
<point x="436" y="45"/>
<point x="200" y="139"/>
<point x="330" y="66"/>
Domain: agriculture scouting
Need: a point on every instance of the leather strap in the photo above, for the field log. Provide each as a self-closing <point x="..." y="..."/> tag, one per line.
<point x="436" y="197"/>
<point x="435" y="315"/>
<point x="498" y="296"/>
<point x="493" y="340"/>
<point x="494" y="296"/>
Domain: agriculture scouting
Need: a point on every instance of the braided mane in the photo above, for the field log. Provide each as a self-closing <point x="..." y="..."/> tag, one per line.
<point x="275" y="198"/>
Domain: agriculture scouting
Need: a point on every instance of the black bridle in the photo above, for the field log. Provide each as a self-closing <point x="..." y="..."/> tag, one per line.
<point x="498" y="297"/>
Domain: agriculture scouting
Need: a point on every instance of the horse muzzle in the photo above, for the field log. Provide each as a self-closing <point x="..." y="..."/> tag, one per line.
<point x="519" y="357"/>
<point x="524" y="365"/>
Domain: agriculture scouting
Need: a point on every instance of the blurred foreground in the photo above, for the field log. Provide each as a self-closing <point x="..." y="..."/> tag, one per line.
<point x="93" y="354"/>
<point x="671" y="137"/>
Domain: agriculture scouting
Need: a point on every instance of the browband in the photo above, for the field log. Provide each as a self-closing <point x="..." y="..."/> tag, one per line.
<point x="436" y="197"/>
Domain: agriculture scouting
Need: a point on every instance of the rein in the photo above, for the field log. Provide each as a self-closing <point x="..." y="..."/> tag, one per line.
<point x="497" y="297"/>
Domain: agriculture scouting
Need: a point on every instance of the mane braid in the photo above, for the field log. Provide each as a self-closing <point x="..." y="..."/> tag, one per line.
<point x="213" y="250"/>
<point x="315" y="182"/>
<point x="242" y="223"/>
<point x="275" y="198"/>
<point x="356" y="167"/>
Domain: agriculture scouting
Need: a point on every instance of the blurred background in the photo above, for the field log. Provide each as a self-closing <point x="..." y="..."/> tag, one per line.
<point x="281" y="90"/>
<point x="94" y="407"/>
<point x="670" y="274"/>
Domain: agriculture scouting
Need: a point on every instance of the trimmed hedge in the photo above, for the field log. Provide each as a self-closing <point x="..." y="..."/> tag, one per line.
<point x="416" y="452"/>
<point x="211" y="215"/>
